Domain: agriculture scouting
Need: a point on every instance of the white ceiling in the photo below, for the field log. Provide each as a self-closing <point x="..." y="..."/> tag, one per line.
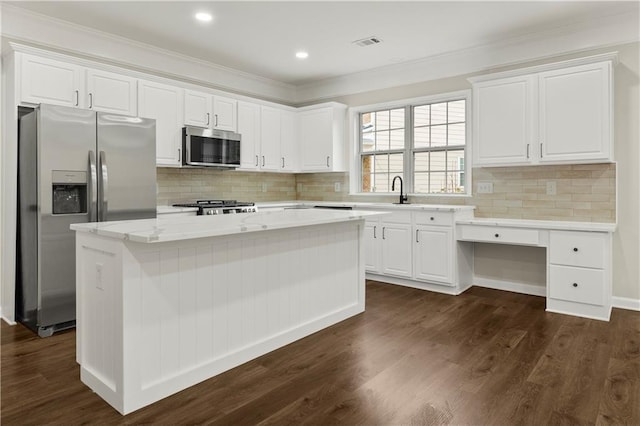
<point x="261" y="37"/>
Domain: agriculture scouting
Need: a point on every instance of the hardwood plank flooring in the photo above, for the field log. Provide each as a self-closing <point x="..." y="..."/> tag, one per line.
<point x="485" y="357"/>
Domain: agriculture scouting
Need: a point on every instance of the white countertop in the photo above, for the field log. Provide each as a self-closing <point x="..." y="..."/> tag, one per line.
<point x="189" y="227"/>
<point x="541" y="224"/>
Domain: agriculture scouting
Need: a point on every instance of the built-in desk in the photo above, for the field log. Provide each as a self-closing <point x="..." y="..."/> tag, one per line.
<point x="579" y="258"/>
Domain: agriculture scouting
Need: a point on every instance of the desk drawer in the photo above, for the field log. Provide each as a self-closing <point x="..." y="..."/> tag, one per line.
<point x="577" y="284"/>
<point x="434" y="218"/>
<point x="499" y="235"/>
<point x="586" y="249"/>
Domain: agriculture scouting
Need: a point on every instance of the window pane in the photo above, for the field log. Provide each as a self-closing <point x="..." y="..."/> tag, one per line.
<point x="382" y="182"/>
<point x="437" y="182"/>
<point x="382" y="120"/>
<point x="421" y="115"/>
<point x="456" y="134"/>
<point x="455" y="160"/>
<point x="437" y="161"/>
<point x="396" y="139"/>
<point x="439" y="113"/>
<point x="421" y="137"/>
<point x="439" y="136"/>
<point x="396" y="164"/>
<point x="397" y="118"/>
<point x="421" y="162"/>
<point x="382" y="140"/>
<point x="456" y="112"/>
<point x="381" y="164"/>
<point x="367" y="170"/>
<point x="421" y="182"/>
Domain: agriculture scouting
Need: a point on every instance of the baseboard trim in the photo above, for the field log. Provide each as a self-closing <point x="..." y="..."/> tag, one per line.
<point x="626" y="303"/>
<point x="5" y="319"/>
<point x="532" y="290"/>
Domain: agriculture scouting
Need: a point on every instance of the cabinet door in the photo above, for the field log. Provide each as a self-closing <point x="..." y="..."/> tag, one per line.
<point x="197" y="109"/>
<point x="433" y="254"/>
<point x="224" y="113"/>
<point x="575" y="113"/>
<point x="249" y="129"/>
<point x="316" y="138"/>
<point x="164" y="103"/>
<point x="270" y="139"/>
<point x="110" y="92"/>
<point x="371" y="246"/>
<point x="503" y="121"/>
<point x="396" y="249"/>
<point x="48" y="81"/>
<point x="288" y="145"/>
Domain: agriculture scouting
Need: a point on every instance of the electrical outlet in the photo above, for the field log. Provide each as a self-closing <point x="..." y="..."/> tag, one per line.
<point x="264" y="186"/>
<point x="551" y="188"/>
<point x="485" y="187"/>
<point x="337" y="187"/>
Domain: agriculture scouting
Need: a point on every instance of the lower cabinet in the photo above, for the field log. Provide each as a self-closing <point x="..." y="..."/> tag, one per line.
<point x="371" y="246"/>
<point x="396" y="249"/>
<point x="433" y="254"/>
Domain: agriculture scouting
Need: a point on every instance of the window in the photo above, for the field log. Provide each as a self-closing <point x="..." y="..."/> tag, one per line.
<point x="423" y="142"/>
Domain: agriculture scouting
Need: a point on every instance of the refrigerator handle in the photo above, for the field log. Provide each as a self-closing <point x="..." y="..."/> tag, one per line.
<point x="93" y="188"/>
<point x="104" y="185"/>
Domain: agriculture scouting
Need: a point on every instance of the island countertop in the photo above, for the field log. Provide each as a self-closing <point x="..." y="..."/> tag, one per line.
<point x="164" y="229"/>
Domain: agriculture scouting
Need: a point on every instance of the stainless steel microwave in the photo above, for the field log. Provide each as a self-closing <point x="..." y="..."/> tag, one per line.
<point x="211" y="148"/>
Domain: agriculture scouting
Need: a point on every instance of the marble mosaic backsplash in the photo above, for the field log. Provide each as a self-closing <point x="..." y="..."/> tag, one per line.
<point x="584" y="192"/>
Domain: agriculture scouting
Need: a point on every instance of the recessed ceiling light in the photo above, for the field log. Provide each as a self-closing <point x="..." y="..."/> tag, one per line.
<point x="204" y="16"/>
<point x="302" y="55"/>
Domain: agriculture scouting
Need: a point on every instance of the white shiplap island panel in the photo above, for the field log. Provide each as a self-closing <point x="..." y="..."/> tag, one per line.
<point x="156" y="317"/>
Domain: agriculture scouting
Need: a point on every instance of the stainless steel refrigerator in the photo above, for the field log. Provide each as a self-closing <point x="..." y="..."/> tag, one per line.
<point x="74" y="166"/>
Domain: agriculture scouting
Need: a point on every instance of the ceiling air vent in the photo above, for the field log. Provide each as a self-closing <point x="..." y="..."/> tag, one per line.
<point x="367" y="41"/>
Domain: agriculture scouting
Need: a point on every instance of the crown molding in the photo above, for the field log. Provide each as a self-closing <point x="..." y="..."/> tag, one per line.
<point x="578" y="37"/>
<point x="50" y="33"/>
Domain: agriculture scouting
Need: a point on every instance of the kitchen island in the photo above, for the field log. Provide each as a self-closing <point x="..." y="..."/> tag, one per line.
<point x="163" y="304"/>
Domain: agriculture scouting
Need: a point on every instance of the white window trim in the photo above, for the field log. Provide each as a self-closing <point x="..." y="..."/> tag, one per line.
<point x="354" y="139"/>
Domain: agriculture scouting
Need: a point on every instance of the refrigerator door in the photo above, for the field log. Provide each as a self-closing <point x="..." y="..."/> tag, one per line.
<point x="126" y="167"/>
<point x="66" y="137"/>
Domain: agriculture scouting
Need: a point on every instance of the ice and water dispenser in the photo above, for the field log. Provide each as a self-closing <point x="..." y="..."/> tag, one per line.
<point x="69" y="192"/>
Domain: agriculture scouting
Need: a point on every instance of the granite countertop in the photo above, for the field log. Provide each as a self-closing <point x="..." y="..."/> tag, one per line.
<point x="189" y="227"/>
<point x="541" y="224"/>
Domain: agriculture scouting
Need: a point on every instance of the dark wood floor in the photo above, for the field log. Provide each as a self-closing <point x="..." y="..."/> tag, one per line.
<point x="414" y="357"/>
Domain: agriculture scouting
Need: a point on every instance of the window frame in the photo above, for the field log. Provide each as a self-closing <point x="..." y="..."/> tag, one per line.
<point x="355" y="175"/>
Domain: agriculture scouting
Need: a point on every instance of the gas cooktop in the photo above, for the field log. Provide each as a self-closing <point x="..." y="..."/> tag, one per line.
<point x="214" y="207"/>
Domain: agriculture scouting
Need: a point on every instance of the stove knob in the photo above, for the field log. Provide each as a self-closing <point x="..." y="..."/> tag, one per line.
<point x="210" y="212"/>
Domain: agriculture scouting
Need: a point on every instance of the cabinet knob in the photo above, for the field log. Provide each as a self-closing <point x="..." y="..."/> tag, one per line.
<point x="497" y="235"/>
<point x="575" y="249"/>
<point x="432" y="218"/>
<point x="575" y="284"/>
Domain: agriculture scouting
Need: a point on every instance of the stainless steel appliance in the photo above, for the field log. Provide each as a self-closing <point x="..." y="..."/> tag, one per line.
<point x="74" y="166"/>
<point x="211" y="148"/>
<point x="213" y="207"/>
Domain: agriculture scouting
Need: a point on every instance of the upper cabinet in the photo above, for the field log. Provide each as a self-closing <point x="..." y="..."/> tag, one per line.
<point x="210" y="111"/>
<point x="321" y="135"/>
<point x="561" y="115"/>
<point x="225" y="113"/>
<point x="44" y="80"/>
<point x="111" y="92"/>
<point x="249" y="129"/>
<point x="163" y="103"/>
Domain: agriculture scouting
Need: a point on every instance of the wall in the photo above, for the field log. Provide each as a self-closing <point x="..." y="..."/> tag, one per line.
<point x="187" y="185"/>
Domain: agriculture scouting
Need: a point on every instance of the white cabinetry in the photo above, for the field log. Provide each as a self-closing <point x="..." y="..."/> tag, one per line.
<point x="225" y="113"/>
<point x="197" y="109"/>
<point x="288" y="142"/>
<point x="388" y="245"/>
<point x="433" y="256"/>
<point x="579" y="274"/>
<point x="278" y="148"/>
<point x="163" y="103"/>
<point x="550" y="114"/>
<point x="322" y="138"/>
<point x="371" y="246"/>
<point x="44" y="80"/>
<point x="249" y="129"/>
<point x="111" y="92"/>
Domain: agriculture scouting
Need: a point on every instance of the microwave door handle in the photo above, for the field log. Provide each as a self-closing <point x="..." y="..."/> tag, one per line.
<point x="104" y="187"/>
<point x="93" y="188"/>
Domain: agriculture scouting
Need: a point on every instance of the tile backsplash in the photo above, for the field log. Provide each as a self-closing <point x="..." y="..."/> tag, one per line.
<point x="584" y="192"/>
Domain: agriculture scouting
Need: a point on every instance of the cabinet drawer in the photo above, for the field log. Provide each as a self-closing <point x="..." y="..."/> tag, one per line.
<point x="586" y="249"/>
<point x="500" y="235"/>
<point x="397" y="217"/>
<point x="434" y="218"/>
<point x="577" y="284"/>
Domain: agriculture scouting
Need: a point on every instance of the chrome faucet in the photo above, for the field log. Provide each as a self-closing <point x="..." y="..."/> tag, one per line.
<point x="403" y="198"/>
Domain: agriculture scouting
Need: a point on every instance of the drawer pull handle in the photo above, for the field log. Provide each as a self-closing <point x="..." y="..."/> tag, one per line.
<point x="497" y="235"/>
<point x="432" y="218"/>
<point x="575" y="284"/>
<point x="575" y="249"/>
